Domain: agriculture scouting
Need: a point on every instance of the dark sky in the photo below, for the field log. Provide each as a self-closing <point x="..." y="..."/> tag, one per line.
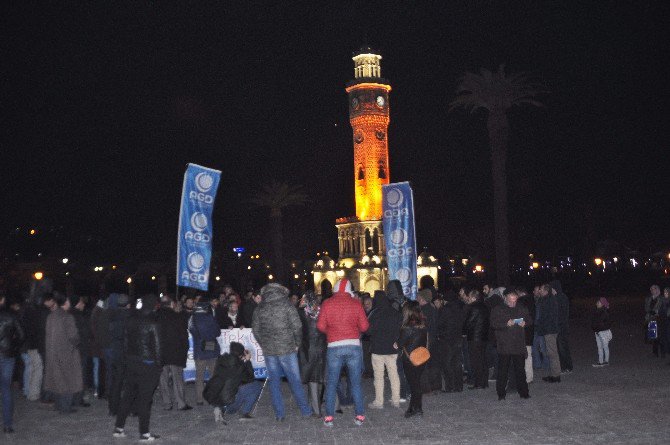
<point x="103" y="104"/>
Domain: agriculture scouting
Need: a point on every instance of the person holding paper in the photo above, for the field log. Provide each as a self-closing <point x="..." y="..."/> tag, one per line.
<point x="509" y="320"/>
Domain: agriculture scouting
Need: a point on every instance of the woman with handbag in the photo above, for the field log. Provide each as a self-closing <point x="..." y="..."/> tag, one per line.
<point x="412" y="344"/>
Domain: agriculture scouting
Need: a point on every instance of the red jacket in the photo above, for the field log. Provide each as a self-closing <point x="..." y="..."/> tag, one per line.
<point x="342" y="318"/>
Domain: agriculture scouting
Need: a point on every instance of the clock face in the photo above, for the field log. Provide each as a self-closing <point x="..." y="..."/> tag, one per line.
<point x="380" y="135"/>
<point x="381" y="101"/>
<point x="355" y="103"/>
<point x="358" y="136"/>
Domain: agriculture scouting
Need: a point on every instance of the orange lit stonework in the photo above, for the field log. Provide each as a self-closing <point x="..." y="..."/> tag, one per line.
<point x="369" y="118"/>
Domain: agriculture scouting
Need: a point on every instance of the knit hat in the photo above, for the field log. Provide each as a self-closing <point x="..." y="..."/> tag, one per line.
<point x="343" y="287"/>
<point x="236" y="348"/>
<point x="604" y="302"/>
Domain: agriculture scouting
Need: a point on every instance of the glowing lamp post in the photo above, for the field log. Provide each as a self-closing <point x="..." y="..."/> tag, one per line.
<point x="38" y="275"/>
<point x="598" y="261"/>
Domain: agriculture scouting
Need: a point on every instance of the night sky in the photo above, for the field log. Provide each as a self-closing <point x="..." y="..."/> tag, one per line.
<point x="103" y="104"/>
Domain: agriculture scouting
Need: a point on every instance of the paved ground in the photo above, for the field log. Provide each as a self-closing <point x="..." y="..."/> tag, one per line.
<point x="622" y="404"/>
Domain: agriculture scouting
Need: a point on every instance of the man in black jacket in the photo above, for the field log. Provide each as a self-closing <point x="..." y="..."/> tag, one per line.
<point x="562" y="342"/>
<point x="233" y="387"/>
<point x="384" y="328"/>
<point x="11" y="339"/>
<point x="142" y="350"/>
<point x="450" y="318"/>
<point x="476" y="328"/>
<point x="174" y="331"/>
<point x="509" y="320"/>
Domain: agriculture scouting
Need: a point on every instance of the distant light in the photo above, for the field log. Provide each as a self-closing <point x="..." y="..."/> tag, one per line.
<point x="536" y="265"/>
<point x="615" y="259"/>
<point x="65" y="260"/>
<point x="129" y="280"/>
<point x="531" y="256"/>
<point x="633" y="262"/>
<point x="217" y="278"/>
<point x="479" y="268"/>
<point x="318" y="253"/>
<point x="598" y="261"/>
<point x="295" y="276"/>
<point x="258" y="256"/>
<point x="464" y="261"/>
<point x="590" y="274"/>
<point x="153" y="277"/>
<point x="114" y="267"/>
<point x="39" y="254"/>
<point x="38" y="275"/>
<point x="248" y="267"/>
<point x="270" y="277"/>
<point x="33" y="231"/>
<point x="239" y="249"/>
<point x="239" y="255"/>
<point x="67" y="273"/>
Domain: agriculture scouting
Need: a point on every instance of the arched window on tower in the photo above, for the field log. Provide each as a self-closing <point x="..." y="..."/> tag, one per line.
<point x="375" y="241"/>
<point x="368" y="239"/>
<point x="382" y="170"/>
<point x="361" y="173"/>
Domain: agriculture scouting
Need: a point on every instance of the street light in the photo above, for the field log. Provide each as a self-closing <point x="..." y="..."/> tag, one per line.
<point x="38" y="275"/>
<point x="65" y="260"/>
<point x="129" y="280"/>
<point x="153" y="277"/>
<point x="479" y="268"/>
<point x="598" y="261"/>
<point x="536" y="265"/>
<point x="270" y="277"/>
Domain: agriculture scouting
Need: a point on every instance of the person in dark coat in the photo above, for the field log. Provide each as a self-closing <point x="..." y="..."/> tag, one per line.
<point x="312" y="352"/>
<point x="450" y="319"/>
<point x="476" y="329"/>
<point x="63" y="376"/>
<point x="119" y="312"/>
<point x="99" y="342"/>
<point x="11" y="340"/>
<point x="413" y="334"/>
<point x="231" y="318"/>
<point x="528" y="301"/>
<point x="562" y="340"/>
<point x="248" y="308"/>
<point x="385" y="323"/>
<point x="83" y="323"/>
<point x="509" y="320"/>
<point x="232" y="387"/>
<point x="664" y="323"/>
<point x="143" y="352"/>
<point x="33" y="331"/>
<point x="600" y="323"/>
<point x="174" y="331"/>
<point x="397" y="298"/>
<point x="547" y="325"/>
<point x="206" y="349"/>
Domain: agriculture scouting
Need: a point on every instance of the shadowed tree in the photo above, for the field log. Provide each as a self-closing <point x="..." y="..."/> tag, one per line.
<point x="497" y="93"/>
<point x="277" y="196"/>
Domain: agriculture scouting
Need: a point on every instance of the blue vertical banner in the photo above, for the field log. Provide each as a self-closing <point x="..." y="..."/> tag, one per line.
<point x="194" y="248"/>
<point x="400" y="236"/>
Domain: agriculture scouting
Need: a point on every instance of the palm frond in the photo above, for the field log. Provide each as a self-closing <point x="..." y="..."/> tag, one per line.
<point x="278" y="195"/>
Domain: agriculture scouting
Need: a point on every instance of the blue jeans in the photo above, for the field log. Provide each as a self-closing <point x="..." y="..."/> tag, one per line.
<point x="96" y="374"/>
<point x="352" y="358"/>
<point x="245" y="398"/>
<point x="6" y="372"/>
<point x="539" y="352"/>
<point x="288" y="366"/>
<point x="26" y="372"/>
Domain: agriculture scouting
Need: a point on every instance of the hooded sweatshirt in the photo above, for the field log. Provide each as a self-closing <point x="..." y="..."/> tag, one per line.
<point x="385" y="325"/>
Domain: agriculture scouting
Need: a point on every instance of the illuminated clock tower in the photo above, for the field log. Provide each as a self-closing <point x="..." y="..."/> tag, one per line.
<point x="360" y="237"/>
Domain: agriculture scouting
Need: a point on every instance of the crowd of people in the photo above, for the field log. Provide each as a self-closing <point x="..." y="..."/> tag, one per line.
<point x="64" y="351"/>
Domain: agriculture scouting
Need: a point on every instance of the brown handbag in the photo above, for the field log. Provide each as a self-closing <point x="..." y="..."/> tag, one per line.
<point x="419" y="356"/>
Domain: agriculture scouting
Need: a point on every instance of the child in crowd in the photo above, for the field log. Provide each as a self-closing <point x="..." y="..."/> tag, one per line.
<point x="600" y="323"/>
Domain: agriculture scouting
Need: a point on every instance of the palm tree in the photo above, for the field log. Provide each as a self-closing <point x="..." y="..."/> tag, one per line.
<point x="277" y="196"/>
<point x="497" y="93"/>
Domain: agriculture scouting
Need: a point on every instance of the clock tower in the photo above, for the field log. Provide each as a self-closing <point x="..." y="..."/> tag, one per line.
<point x="361" y="238"/>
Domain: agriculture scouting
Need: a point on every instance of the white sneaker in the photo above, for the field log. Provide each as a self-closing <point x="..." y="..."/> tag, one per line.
<point x="148" y="437"/>
<point x="218" y="414"/>
<point x="118" y="432"/>
<point x="374" y="405"/>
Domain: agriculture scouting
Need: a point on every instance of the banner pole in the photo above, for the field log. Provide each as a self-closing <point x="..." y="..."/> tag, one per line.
<point x="253" y="411"/>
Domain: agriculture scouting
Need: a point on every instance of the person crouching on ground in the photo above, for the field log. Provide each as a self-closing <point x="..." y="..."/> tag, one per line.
<point x="233" y="387"/>
<point x="600" y="323"/>
<point x="343" y="320"/>
<point x="509" y="320"/>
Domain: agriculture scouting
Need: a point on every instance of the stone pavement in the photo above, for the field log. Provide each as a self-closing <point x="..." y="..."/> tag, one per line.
<point x="624" y="403"/>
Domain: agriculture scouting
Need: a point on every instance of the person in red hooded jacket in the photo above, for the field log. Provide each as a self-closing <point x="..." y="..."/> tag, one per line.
<point x="343" y="320"/>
